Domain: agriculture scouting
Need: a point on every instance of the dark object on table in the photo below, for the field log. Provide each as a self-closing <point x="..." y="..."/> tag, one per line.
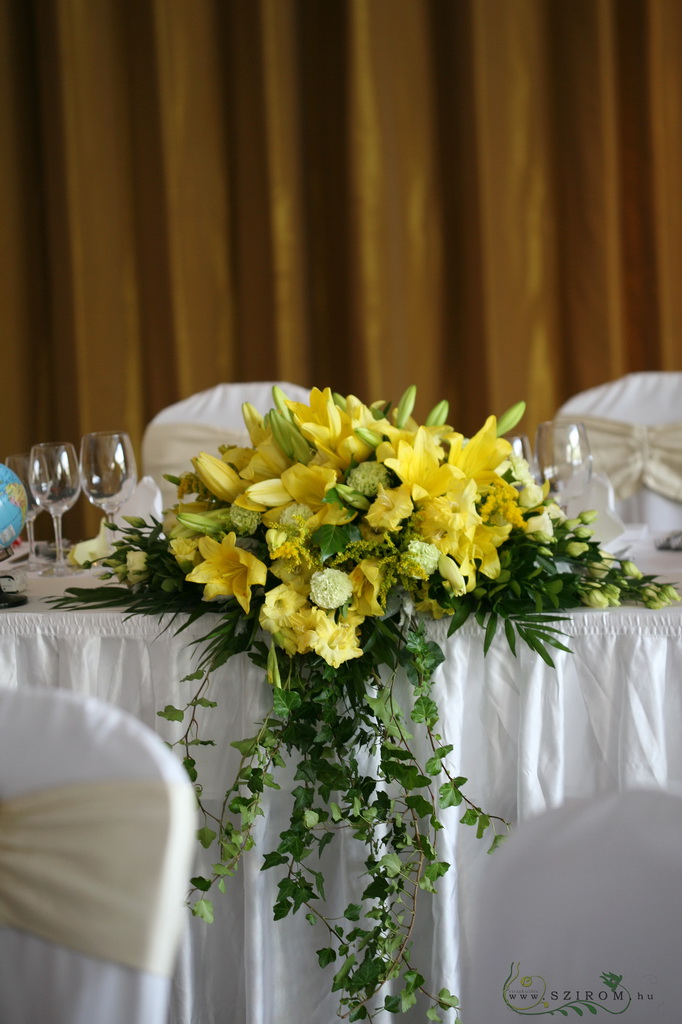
<point x="673" y="542"/>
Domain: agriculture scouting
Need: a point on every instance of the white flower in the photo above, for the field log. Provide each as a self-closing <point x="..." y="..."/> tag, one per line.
<point x="330" y="588"/>
<point x="541" y="526"/>
<point x="367" y="477"/>
<point x="293" y="512"/>
<point x="521" y="471"/>
<point x="424" y="554"/>
<point x="531" y="495"/>
<point x="136" y="566"/>
<point x="244" y="520"/>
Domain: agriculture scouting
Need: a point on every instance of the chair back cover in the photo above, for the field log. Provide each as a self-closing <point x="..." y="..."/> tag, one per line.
<point x="635" y="429"/>
<point x="580" y="915"/>
<point x="97" y="825"/>
<point x="202" y="422"/>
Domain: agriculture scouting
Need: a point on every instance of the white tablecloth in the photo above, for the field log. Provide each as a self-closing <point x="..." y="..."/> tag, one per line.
<point x="528" y="737"/>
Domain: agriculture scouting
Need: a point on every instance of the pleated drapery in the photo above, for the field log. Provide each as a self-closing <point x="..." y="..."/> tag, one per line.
<point x="481" y="197"/>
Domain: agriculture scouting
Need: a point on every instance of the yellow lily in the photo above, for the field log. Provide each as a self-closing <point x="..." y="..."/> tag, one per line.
<point x="418" y="465"/>
<point x="221" y="480"/>
<point x="366" y="582"/>
<point x="447" y="520"/>
<point x="479" y="457"/>
<point x="390" y="507"/>
<point x="227" y="571"/>
<point x="317" y="631"/>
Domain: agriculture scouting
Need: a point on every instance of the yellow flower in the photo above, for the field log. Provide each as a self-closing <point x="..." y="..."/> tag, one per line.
<point x="317" y="631"/>
<point x="172" y="527"/>
<point x="186" y="550"/>
<point x="299" y="485"/>
<point x="487" y="540"/>
<point x="451" y="573"/>
<point x="221" y="480"/>
<point x="451" y="519"/>
<point x="227" y="571"/>
<point x="419" y="465"/>
<point x="332" y="430"/>
<point x="479" y="457"/>
<point x="366" y="581"/>
<point x="390" y="507"/>
<point x="280" y="604"/>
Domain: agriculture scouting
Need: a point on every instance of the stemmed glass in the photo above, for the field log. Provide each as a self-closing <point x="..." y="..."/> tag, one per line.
<point x="108" y="471"/>
<point x="54" y="479"/>
<point x="521" y="447"/>
<point x="562" y="453"/>
<point x="20" y="464"/>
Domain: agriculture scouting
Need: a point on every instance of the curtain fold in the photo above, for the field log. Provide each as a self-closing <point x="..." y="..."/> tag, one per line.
<point x="480" y="198"/>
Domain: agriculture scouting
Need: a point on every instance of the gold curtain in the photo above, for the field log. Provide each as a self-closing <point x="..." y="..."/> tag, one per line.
<point x="481" y="197"/>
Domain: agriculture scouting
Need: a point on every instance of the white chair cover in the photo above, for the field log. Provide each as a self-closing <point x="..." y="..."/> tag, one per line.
<point x="202" y="423"/>
<point x="581" y="912"/>
<point x="69" y="944"/>
<point x="635" y="429"/>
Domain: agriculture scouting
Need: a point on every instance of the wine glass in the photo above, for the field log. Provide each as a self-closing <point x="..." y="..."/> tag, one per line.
<point x="563" y="457"/>
<point x="54" y="479"/>
<point x="108" y="470"/>
<point x="20" y="464"/>
<point x="521" y="447"/>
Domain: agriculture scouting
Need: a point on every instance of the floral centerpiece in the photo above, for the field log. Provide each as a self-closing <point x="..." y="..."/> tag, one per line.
<point x="322" y="551"/>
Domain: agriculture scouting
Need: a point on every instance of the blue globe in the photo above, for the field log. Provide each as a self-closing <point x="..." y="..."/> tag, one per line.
<point x="12" y="506"/>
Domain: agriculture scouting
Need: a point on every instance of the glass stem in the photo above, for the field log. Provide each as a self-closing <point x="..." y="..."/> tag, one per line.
<point x="59" y="547"/>
<point x="32" y="564"/>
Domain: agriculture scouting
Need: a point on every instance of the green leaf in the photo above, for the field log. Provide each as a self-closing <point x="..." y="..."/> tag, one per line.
<point x="392" y="864"/>
<point x="206" y="836"/>
<point x="171" y="714"/>
<point x="470" y="816"/>
<point x="449" y="795"/>
<point x="392" y="1004"/>
<point x="204" y="910"/>
<point x="203" y="702"/>
<point x="199" y="882"/>
<point x="352" y="912"/>
<point x="285" y="701"/>
<point x="310" y="818"/>
<point x="332" y="539"/>
<point x="326" y="956"/>
<point x="340" y="976"/>
<point x="432" y="1014"/>
<point x="497" y="842"/>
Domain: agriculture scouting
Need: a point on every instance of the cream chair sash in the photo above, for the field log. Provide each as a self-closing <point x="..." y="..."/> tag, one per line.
<point x="88" y="867"/>
<point x="173" y="444"/>
<point x="634" y="455"/>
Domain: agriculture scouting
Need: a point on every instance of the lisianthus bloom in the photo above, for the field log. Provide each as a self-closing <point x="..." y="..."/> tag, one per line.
<point x="390" y="507"/>
<point x="136" y="566"/>
<point x="418" y="464"/>
<point x="318" y="631"/>
<point x="541" y="527"/>
<point x="227" y="570"/>
<point x="366" y="579"/>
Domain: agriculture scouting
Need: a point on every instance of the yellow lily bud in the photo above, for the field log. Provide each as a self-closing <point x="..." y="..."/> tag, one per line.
<point x="280" y="400"/>
<point x="405" y="406"/>
<point x="274" y="539"/>
<point x="253" y="420"/>
<point x="210" y="522"/>
<point x="221" y="479"/>
<point x="450" y="572"/>
<point x="510" y="418"/>
<point x="368" y="437"/>
<point x="352" y="497"/>
<point x="280" y="434"/>
<point x="438" y="414"/>
<point x="274" y="677"/>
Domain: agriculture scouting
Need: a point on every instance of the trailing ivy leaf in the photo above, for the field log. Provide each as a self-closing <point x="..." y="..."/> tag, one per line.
<point x="326" y="956"/>
<point x="204" y="910"/>
<point x="470" y="816"/>
<point x="392" y="1004"/>
<point x="332" y="539"/>
<point x="340" y="976"/>
<point x="497" y="842"/>
<point x="199" y="882"/>
<point x="285" y="701"/>
<point x="171" y="714"/>
<point x="206" y="836"/>
<point x="449" y="795"/>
